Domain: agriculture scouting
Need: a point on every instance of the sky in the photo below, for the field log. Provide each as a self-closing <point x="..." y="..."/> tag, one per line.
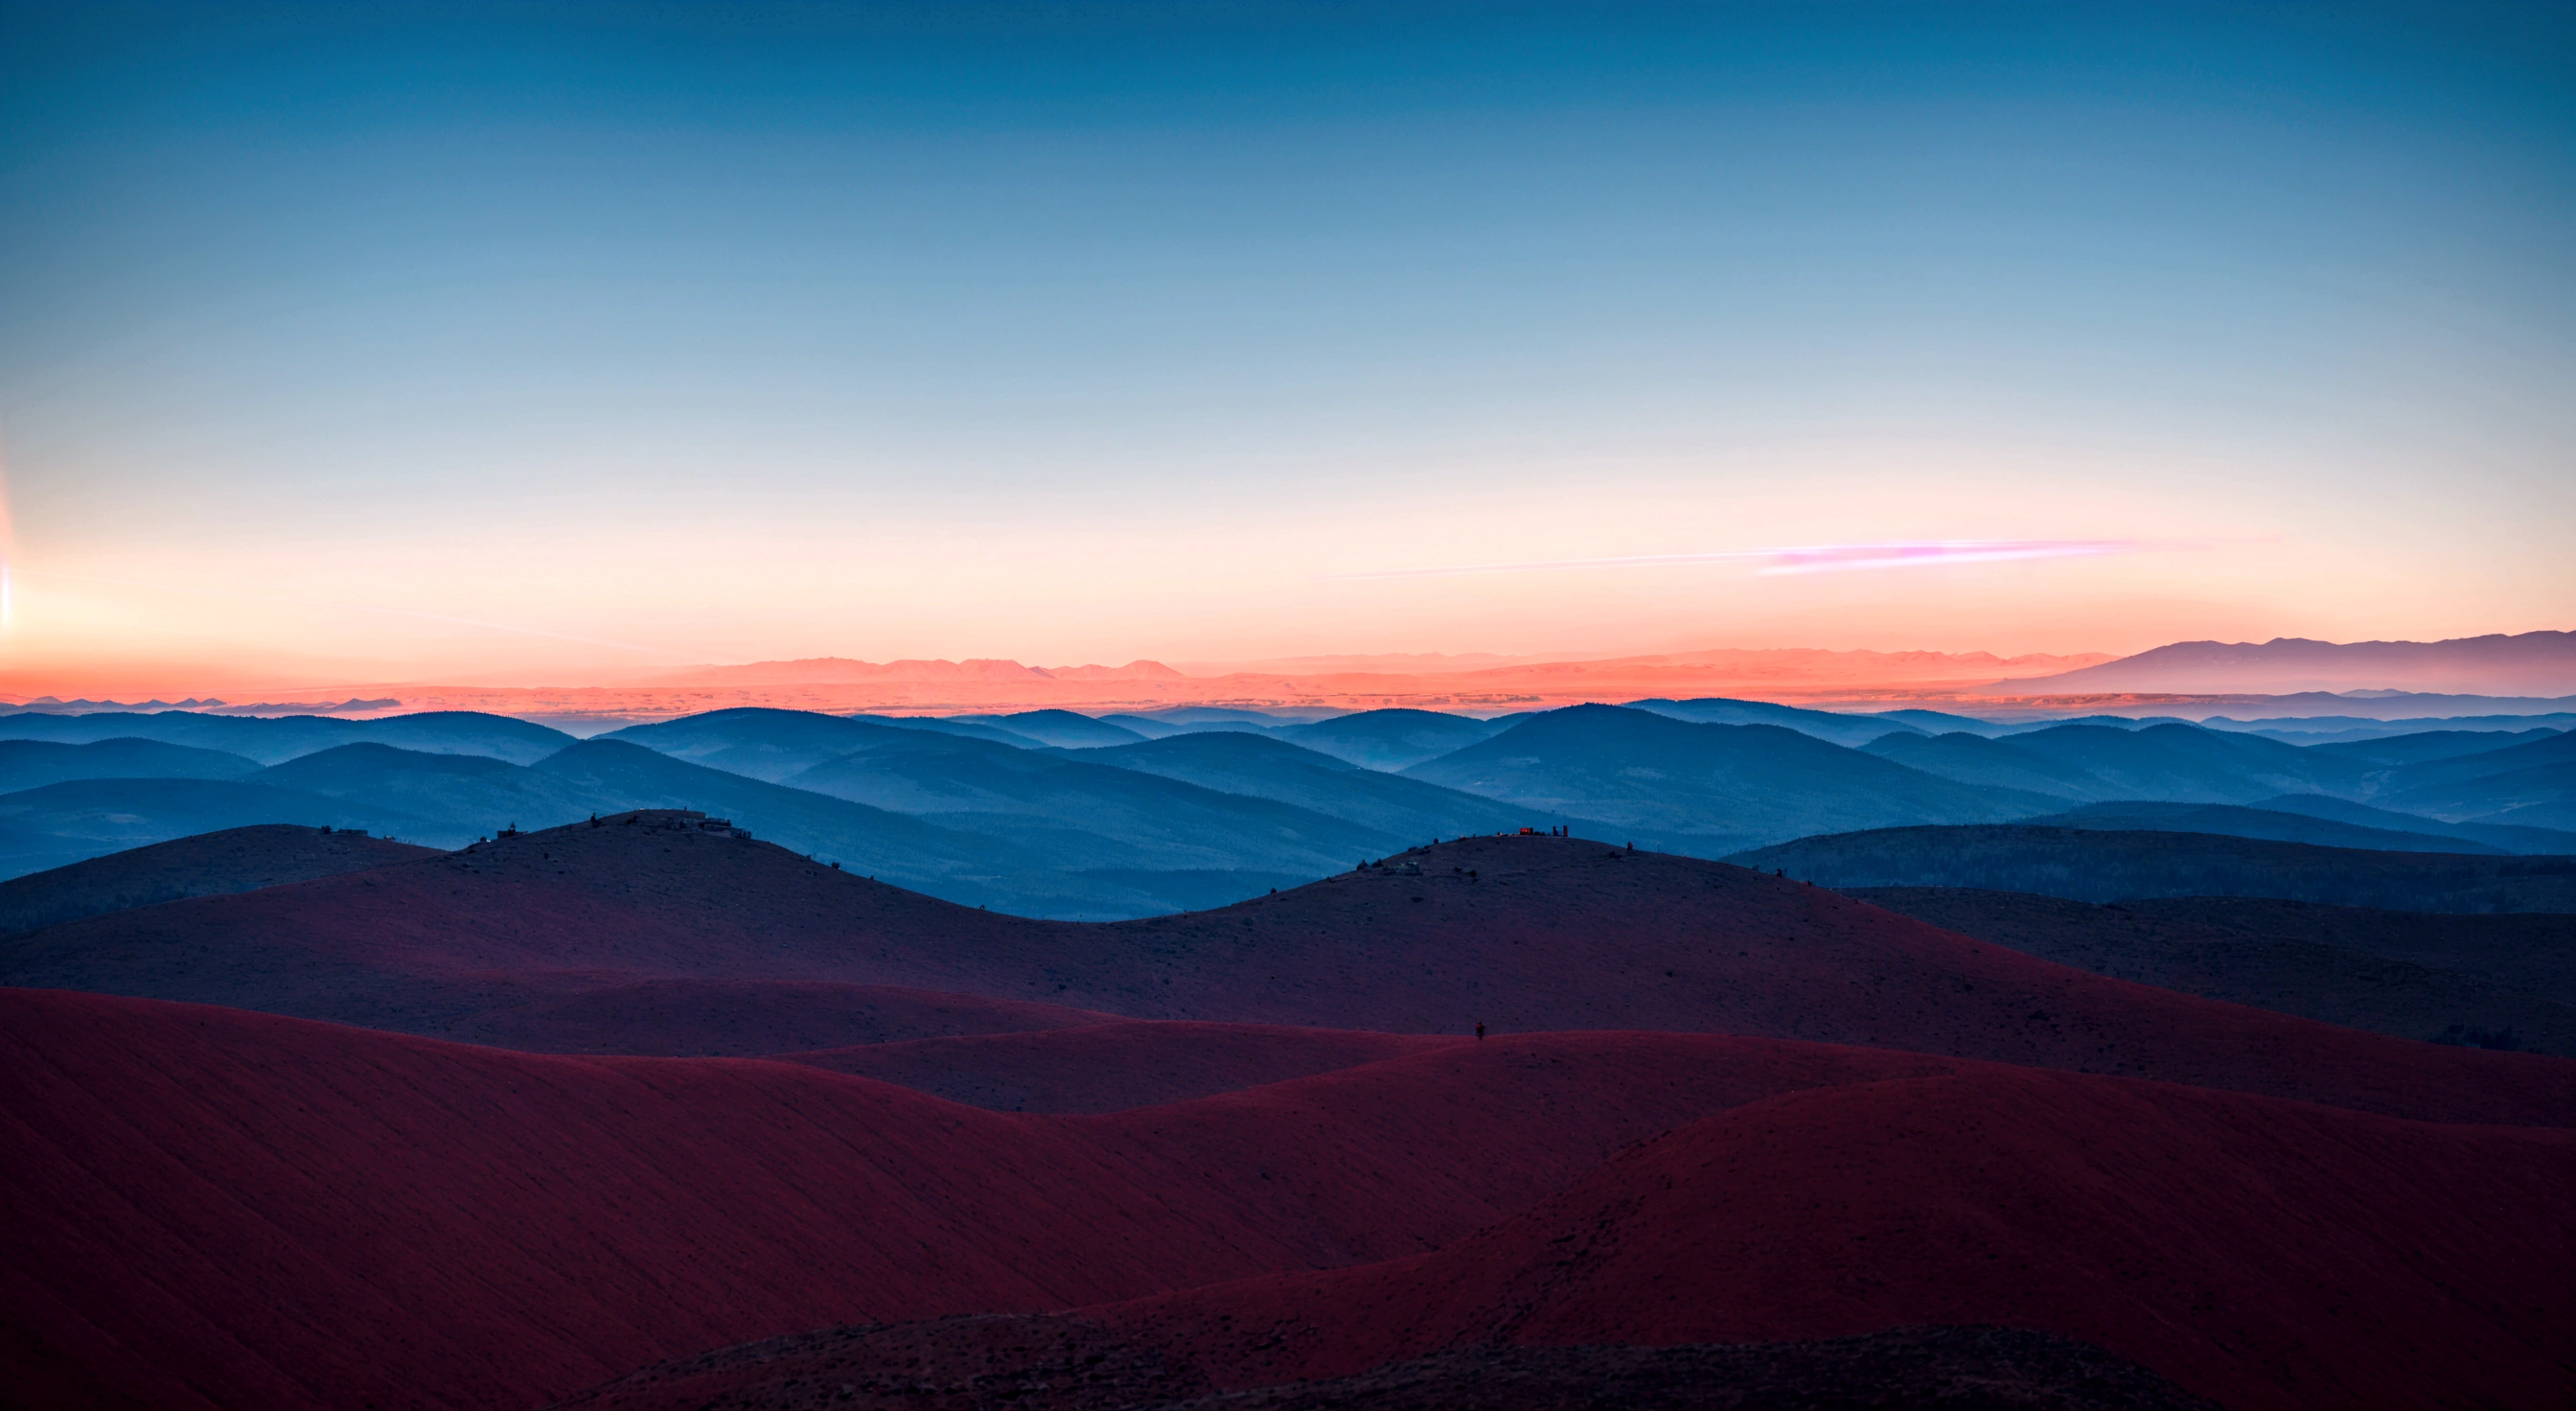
<point x="575" y="343"/>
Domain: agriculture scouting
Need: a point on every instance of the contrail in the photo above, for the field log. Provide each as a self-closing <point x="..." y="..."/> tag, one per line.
<point x="341" y="607"/>
<point x="1809" y="558"/>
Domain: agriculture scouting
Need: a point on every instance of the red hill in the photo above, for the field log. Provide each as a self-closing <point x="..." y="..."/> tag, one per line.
<point x="1113" y="1067"/>
<point x="2265" y="1253"/>
<point x="231" y="860"/>
<point x="1060" y="1362"/>
<point x="750" y="1018"/>
<point x="1527" y="934"/>
<point x="218" y="1208"/>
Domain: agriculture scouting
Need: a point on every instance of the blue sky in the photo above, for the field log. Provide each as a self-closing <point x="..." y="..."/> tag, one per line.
<point x="1101" y="331"/>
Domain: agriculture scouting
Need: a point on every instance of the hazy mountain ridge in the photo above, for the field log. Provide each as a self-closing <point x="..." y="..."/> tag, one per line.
<point x="276" y="739"/>
<point x="2173" y="763"/>
<point x="28" y="764"/>
<point x="1232" y="803"/>
<point x="59" y="824"/>
<point x="1704" y="788"/>
<point x="1397" y="808"/>
<point x="2530" y="664"/>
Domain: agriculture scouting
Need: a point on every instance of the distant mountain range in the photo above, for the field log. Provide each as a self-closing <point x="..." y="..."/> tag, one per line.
<point x="843" y="671"/>
<point x="2530" y="673"/>
<point x="2532" y="664"/>
<point x="1052" y="813"/>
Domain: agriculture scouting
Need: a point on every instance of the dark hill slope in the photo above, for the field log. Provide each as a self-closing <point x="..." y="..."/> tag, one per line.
<point x="1401" y="811"/>
<point x="2557" y="748"/>
<point x="1113" y="1067"/>
<point x="273" y="740"/>
<point x="2504" y="838"/>
<point x="28" y="764"/>
<point x="676" y="939"/>
<point x="59" y="824"/>
<point x="1704" y="788"/>
<point x="2542" y="796"/>
<point x="1548" y="934"/>
<point x="2087" y="865"/>
<point x="1393" y="738"/>
<point x="2262" y="1253"/>
<point x="218" y="1208"/>
<point x="724" y="1018"/>
<point x="208" y="864"/>
<point x="2527" y="951"/>
<point x="2508" y="979"/>
<point x="1063" y="1362"/>
<point x="2237" y="822"/>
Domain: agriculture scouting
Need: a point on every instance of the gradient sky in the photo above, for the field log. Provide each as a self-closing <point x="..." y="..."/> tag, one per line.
<point x="530" y="343"/>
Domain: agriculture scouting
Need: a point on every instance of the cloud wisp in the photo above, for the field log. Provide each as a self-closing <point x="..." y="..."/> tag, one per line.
<point x="1813" y="558"/>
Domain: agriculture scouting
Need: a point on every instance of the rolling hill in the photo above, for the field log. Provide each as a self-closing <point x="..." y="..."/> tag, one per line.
<point x="2173" y="763"/>
<point x="1066" y="835"/>
<point x="770" y="745"/>
<point x="60" y="824"/>
<point x="1526" y="934"/>
<point x="1114" y="1066"/>
<point x="472" y="795"/>
<point x="208" y="864"/>
<point x="276" y="739"/>
<point x="2264" y="1254"/>
<point x="1993" y="764"/>
<point x="1705" y="789"/>
<point x="1023" y="830"/>
<point x="2090" y="865"/>
<point x="2531" y="784"/>
<point x="1840" y="728"/>
<point x="1024" y="874"/>
<point x="224" y="1240"/>
<point x="1188" y="846"/>
<point x="2419" y="746"/>
<point x="1063" y="1362"/>
<point x="2505" y="837"/>
<point x="1398" y="811"/>
<point x="1391" y="739"/>
<point x="2506" y="981"/>
<point x="1078" y="813"/>
<point x="1063" y="728"/>
<point x="2279" y="826"/>
<point x="29" y="764"/>
<point x="961" y="726"/>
